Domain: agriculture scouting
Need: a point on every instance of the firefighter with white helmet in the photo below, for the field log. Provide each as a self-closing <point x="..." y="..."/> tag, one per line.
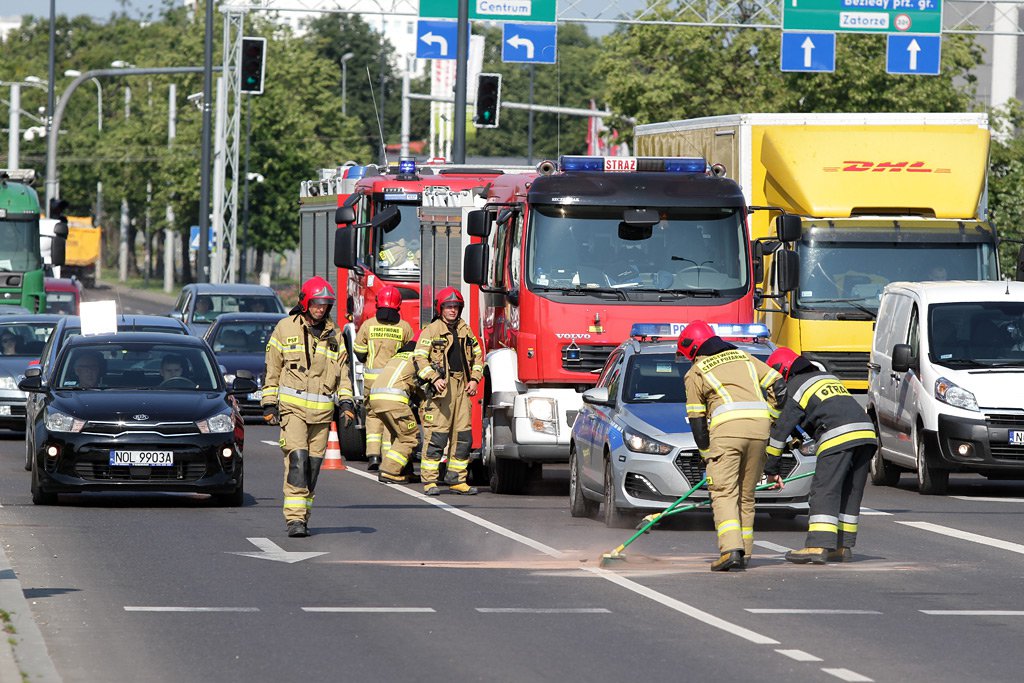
<point x="448" y="355"/>
<point x="377" y="340"/>
<point x="727" y="404"/>
<point x="307" y="377"/>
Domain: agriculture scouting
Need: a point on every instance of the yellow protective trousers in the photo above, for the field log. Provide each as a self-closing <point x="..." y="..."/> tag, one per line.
<point x="447" y="430"/>
<point x="734" y="466"/>
<point x="304" y="446"/>
<point x="400" y="426"/>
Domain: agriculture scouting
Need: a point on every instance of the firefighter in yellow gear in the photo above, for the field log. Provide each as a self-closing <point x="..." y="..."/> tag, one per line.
<point x="398" y="254"/>
<point x="727" y="404"/>
<point x="307" y="377"/>
<point x="376" y="342"/>
<point x="448" y="355"/>
<point x="390" y="399"/>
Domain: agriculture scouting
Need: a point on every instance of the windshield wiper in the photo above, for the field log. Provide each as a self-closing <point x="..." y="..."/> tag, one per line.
<point x="852" y="302"/>
<point x="1006" y="364"/>
<point x="580" y="291"/>
<point x="970" y="362"/>
<point x="680" y="293"/>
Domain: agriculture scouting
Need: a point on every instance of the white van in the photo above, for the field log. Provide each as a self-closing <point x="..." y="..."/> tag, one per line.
<point x="946" y="382"/>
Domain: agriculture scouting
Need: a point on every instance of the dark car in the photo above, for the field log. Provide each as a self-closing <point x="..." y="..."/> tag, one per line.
<point x="71" y="326"/>
<point x="239" y="340"/>
<point x="22" y="338"/>
<point x="200" y="304"/>
<point x="135" y="412"/>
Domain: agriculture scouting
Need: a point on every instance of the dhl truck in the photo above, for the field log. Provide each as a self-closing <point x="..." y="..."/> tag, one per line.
<point x="83" y="250"/>
<point x="852" y="202"/>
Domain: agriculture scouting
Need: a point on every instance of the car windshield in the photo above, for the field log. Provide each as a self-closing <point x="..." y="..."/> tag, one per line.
<point x="977" y="333"/>
<point x="656" y="378"/>
<point x="19" y="246"/>
<point x="688" y="251"/>
<point x="242" y="337"/>
<point x="24" y="339"/>
<point x="136" y="366"/>
<point x="399" y="254"/>
<point x="209" y="306"/>
<point x="61" y="302"/>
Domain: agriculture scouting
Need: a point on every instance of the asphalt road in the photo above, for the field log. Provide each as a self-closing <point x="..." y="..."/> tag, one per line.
<point x="400" y="587"/>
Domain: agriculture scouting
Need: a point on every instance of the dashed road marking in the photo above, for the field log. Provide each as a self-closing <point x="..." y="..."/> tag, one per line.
<point x="982" y="499"/>
<point x="270" y="443"/>
<point x="872" y="511"/>
<point x="768" y="545"/>
<point x="849" y="676"/>
<point x="142" y="608"/>
<point x="973" y="612"/>
<point x="967" y="536"/>
<point x="543" y="610"/>
<point x="370" y="610"/>
<point x="784" y="610"/>
<point x="799" y="655"/>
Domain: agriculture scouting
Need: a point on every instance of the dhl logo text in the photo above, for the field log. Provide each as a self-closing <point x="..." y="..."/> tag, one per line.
<point x="883" y="167"/>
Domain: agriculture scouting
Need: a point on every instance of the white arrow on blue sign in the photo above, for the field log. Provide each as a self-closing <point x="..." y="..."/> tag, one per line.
<point x="808" y="51"/>
<point x="436" y="39"/>
<point x="913" y="54"/>
<point x="193" y="238"/>
<point x="529" y="43"/>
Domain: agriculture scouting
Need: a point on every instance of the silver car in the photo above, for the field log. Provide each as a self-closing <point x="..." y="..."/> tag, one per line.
<point x="22" y="338"/>
<point x="632" y="449"/>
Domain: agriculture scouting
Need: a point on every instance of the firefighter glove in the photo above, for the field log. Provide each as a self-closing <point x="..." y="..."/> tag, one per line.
<point x="773" y="467"/>
<point x="270" y="414"/>
<point x="347" y="414"/>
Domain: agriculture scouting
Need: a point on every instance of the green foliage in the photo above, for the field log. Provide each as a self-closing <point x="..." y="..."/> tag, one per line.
<point x="1006" y="182"/>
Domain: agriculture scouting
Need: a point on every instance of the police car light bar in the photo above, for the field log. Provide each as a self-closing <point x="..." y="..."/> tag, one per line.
<point x="724" y="330"/>
<point x="571" y="163"/>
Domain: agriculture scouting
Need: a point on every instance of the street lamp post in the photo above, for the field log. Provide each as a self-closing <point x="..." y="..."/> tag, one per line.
<point x="74" y="73"/>
<point x="344" y="81"/>
<point x="14" y="119"/>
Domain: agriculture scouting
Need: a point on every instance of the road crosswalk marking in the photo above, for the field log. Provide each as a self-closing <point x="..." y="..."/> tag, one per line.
<point x="848" y="676"/>
<point x="799" y="655"/>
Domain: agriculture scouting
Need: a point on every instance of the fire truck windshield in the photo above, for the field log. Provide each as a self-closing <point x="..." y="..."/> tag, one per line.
<point x="398" y="253"/>
<point x="688" y="251"/>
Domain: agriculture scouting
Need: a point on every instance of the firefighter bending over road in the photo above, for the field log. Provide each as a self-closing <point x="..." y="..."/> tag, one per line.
<point x="376" y="342"/>
<point x="307" y="376"/>
<point x="846" y="441"/>
<point x="389" y="399"/>
<point x="730" y="417"/>
<point x="448" y="355"/>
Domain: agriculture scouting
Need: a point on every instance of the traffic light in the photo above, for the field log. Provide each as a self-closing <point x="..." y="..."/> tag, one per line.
<point x="253" y="65"/>
<point x="488" y="101"/>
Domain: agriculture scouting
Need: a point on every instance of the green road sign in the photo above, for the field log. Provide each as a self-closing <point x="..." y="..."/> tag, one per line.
<point x="494" y="10"/>
<point x="862" y="16"/>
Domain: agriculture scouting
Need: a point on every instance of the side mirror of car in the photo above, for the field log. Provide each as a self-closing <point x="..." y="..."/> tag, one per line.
<point x="243" y="386"/>
<point x="177" y="315"/>
<point x="244" y="374"/>
<point x="598" y="396"/>
<point x="33" y="380"/>
<point x="902" y="358"/>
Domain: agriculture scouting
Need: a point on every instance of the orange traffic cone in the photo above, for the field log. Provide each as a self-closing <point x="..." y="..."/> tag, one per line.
<point x="332" y="458"/>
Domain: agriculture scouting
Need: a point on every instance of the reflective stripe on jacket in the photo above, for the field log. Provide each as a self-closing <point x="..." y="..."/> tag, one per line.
<point x="396" y="381"/>
<point x="734" y="391"/>
<point x="377" y="342"/>
<point x="429" y="355"/>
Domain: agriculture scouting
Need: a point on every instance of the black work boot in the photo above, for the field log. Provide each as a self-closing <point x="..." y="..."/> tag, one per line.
<point x="297" y="530"/>
<point x="373" y="463"/>
<point x="730" y="559"/>
<point x="807" y="556"/>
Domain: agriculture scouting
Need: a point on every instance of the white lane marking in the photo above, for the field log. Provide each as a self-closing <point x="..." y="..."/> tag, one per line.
<point x="268" y="550"/>
<point x="849" y="676"/>
<point x="783" y="610"/>
<point x="973" y="612"/>
<point x="370" y="610"/>
<point x="671" y="603"/>
<point x="772" y="546"/>
<point x="543" y="610"/>
<point x="872" y="511"/>
<point x="967" y="536"/>
<point x="143" y="608"/>
<point x="799" y="655"/>
<point x="982" y="499"/>
<point x="270" y="443"/>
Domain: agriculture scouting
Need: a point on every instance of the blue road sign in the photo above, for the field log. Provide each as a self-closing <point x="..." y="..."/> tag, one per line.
<point x="913" y="54"/>
<point x="436" y="39"/>
<point x="529" y="43"/>
<point x="808" y="51"/>
<point x="193" y="238"/>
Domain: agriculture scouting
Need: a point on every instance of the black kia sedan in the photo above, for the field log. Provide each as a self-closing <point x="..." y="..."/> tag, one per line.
<point x="137" y="411"/>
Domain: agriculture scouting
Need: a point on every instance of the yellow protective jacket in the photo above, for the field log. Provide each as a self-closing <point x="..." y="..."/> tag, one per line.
<point x="436" y="340"/>
<point x="307" y="374"/>
<point x="396" y="382"/>
<point x="731" y="390"/>
<point x="377" y="342"/>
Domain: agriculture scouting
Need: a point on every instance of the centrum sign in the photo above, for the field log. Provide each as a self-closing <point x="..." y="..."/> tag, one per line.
<point x="857" y="16"/>
<point x="493" y="10"/>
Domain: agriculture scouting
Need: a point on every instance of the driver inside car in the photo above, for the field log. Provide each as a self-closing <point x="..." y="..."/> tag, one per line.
<point x="173" y="366"/>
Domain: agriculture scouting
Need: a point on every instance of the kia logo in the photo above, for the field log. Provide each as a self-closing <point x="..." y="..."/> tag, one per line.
<point x="141" y="417"/>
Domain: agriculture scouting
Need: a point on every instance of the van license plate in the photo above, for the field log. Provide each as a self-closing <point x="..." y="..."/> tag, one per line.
<point x="1016" y="437"/>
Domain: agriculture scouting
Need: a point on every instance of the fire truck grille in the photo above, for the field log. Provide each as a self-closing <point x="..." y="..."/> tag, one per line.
<point x="591" y="358"/>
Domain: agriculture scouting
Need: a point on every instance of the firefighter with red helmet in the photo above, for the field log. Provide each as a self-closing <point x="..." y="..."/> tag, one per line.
<point x="729" y="397"/>
<point x="390" y="399"/>
<point x="845" y="442"/>
<point x="377" y="340"/>
<point x="448" y="356"/>
<point x="307" y="377"/>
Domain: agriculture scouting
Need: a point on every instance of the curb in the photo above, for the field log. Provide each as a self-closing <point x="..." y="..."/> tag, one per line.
<point x="23" y="651"/>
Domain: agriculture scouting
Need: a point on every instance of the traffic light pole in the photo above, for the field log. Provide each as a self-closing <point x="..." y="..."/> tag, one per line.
<point x="462" y="56"/>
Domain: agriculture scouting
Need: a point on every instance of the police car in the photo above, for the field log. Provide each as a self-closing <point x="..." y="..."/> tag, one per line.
<point x="632" y="449"/>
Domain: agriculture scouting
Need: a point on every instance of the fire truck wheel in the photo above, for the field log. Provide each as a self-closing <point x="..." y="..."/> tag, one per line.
<point x="504" y="475"/>
<point x="352" y="442"/>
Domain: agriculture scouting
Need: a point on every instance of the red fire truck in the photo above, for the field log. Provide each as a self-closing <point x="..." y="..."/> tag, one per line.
<point x="565" y="261"/>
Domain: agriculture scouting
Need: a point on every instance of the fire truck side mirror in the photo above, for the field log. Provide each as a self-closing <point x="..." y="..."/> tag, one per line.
<point x="474" y="264"/>
<point x="758" y="257"/>
<point x="787" y="228"/>
<point x="478" y="223"/>
<point x="345" y="215"/>
<point x="388" y="219"/>
<point x="345" y="240"/>
<point x="787" y="270"/>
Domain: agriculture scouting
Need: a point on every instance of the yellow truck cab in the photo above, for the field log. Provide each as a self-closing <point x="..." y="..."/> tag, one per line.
<point x="879" y="198"/>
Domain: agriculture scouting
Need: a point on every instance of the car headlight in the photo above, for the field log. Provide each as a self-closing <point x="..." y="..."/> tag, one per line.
<point x="59" y="422"/>
<point x="541" y="412"/>
<point x="7" y="382"/>
<point x="638" y="443"/>
<point x="954" y="395"/>
<point x="218" y="424"/>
